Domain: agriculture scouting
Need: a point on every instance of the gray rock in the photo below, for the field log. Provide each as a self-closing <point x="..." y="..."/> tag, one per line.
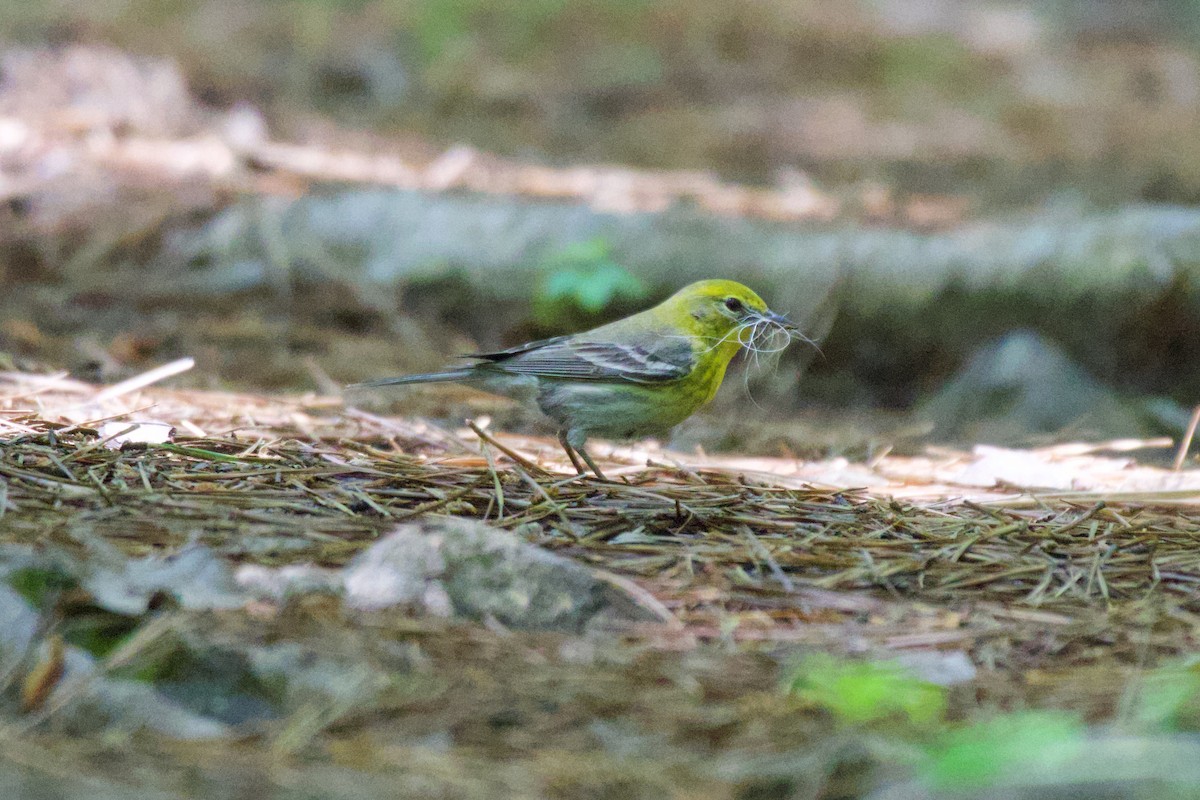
<point x="1022" y="385"/>
<point x="195" y="577"/>
<point x="464" y="568"/>
<point x="129" y="705"/>
<point x="282" y="583"/>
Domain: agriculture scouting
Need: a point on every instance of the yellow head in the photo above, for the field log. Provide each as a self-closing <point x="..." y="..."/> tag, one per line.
<point x="720" y="317"/>
<point x="716" y="310"/>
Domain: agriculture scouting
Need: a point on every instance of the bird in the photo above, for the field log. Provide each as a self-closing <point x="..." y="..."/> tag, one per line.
<point x="638" y="376"/>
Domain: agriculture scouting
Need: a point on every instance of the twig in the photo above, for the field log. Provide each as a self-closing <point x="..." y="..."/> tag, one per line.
<point x="1186" y="443"/>
<point x="145" y="379"/>
<point x="513" y="454"/>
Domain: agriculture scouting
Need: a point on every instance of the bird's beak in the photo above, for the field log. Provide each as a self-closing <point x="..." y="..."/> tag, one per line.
<point x="781" y="321"/>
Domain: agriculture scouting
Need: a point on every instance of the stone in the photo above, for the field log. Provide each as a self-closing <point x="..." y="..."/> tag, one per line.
<point x="464" y="568"/>
<point x="1023" y="385"/>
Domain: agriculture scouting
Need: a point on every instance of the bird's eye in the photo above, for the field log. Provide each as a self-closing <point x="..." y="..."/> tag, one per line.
<point x="735" y="305"/>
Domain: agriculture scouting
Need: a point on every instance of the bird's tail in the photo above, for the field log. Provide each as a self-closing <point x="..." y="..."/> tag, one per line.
<point x="462" y="374"/>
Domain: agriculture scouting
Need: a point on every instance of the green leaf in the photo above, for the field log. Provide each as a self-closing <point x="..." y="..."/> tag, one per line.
<point x="40" y="585"/>
<point x="1031" y="743"/>
<point x="98" y="632"/>
<point x="582" y="279"/>
<point x="865" y="691"/>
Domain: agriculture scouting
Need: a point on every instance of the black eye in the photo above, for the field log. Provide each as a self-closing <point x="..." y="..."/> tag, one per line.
<point x="734" y="305"/>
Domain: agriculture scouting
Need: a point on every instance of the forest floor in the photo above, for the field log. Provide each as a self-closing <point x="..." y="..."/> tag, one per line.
<point x="1055" y="578"/>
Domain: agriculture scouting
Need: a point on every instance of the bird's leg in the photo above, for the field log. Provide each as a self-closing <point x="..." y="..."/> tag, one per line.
<point x="591" y="463"/>
<point x="574" y="451"/>
<point x="579" y="467"/>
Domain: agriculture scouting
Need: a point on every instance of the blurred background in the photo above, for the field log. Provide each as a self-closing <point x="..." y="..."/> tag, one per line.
<point x="985" y="211"/>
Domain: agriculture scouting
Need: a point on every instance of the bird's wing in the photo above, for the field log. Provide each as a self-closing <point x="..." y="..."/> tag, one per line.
<point x="504" y="355"/>
<point x="567" y="357"/>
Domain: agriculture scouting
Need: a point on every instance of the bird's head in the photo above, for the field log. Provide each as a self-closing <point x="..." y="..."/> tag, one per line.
<point x="727" y="314"/>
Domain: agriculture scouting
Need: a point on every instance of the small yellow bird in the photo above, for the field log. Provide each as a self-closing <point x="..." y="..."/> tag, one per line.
<point x="638" y="376"/>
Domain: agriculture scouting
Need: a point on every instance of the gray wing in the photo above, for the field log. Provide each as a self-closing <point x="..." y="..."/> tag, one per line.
<point x="565" y="357"/>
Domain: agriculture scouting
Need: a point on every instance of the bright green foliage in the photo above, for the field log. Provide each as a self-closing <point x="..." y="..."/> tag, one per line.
<point x="583" y="280"/>
<point x="1026" y="743"/>
<point x="866" y="691"/>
